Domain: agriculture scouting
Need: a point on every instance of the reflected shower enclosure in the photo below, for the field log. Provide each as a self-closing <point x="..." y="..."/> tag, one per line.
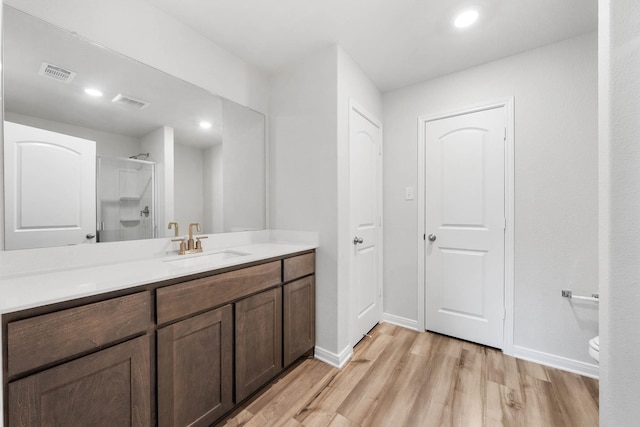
<point x="126" y="199"/>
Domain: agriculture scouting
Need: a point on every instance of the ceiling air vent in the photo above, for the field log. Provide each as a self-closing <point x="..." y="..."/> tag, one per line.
<point x="130" y="101"/>
<point x="57" y="73"/>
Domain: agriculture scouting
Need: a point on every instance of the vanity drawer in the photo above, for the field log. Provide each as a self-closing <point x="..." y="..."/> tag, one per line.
<point x="48" y="338"/>
<point x="299" y="266"/>
<point x="183" y="299"/>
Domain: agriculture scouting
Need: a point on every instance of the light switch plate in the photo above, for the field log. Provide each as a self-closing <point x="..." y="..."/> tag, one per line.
<point x="409" y="193"/>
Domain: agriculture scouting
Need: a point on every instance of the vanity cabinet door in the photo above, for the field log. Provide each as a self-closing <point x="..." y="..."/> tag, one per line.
<point x="195" y="369"/>
<point x="258" y="341"/>
<point x="299" y="318"/>
<point x="108" y="388"/>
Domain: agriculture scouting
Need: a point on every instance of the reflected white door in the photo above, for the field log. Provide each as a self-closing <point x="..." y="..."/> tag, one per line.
<point x="465" y="225"/>
<point x="365" y="161"/>
<point x="50" y="182"/>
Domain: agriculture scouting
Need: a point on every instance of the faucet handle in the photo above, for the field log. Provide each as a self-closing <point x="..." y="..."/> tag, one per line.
<point x="198" y="242"/>
<point x="183" y="246"/>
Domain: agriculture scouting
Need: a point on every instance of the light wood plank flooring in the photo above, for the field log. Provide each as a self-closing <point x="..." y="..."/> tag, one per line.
<point x="399" y="377"/>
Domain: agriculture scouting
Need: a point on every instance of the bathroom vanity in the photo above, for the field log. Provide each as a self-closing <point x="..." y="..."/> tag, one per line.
<point x="183" y="349"/>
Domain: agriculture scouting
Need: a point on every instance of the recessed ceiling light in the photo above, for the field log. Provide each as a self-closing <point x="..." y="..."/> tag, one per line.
<point x="466" y="18"/>
<point x="205" y="125"/>
<point x="92" y="92"/>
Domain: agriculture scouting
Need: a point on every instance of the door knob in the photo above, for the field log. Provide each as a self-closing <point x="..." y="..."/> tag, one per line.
<point x="90" y="236"/>
<point x="432" y="237"/>
<point x="357" y="240"/>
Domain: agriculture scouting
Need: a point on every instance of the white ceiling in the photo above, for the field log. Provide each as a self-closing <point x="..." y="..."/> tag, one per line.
<point x="396" y="42"/>
<point x="28" y="41"/>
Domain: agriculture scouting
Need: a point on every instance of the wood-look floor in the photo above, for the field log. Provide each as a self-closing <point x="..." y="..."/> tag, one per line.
<point x="399" y="377"/>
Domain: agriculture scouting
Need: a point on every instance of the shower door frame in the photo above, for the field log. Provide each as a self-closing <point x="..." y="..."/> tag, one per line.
<point x="154" y="196"/>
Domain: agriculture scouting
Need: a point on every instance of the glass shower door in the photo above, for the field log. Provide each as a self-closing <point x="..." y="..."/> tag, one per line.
<point x="126" y="199"/>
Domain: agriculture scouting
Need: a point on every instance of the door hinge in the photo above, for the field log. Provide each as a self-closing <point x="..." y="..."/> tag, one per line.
<point x="424" y="236"/>
<point x="505" y="134"/>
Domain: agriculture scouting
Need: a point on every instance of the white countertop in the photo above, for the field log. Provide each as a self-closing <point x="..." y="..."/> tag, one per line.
<point x="28" y="290"/>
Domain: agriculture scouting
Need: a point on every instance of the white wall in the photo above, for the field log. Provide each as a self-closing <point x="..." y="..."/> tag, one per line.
<point x="303" y="170"/>
<point x="309" y="173"/>
<point x="213" y="192"/>
<point x="139" y="30"/>
<point x="556" y="188"/>
<point x="107" y="144"/>
<point x="244" y="172"/>
<point x="619" y="211"/>
<point x="160" y="146"/>
<point x="188" y="187"/>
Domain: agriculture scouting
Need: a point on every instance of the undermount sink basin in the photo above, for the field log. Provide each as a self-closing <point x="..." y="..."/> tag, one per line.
<point x="205" y="258"/>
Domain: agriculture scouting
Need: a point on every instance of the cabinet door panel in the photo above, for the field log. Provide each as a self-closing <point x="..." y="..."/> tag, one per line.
<point x="299" y="266"/>
<point x="50" y="338"/>
<point x="107" y="388"/>
<point x="299" y="318"/>
<point x="258" y="341"/>
<point x="195" y="368"/>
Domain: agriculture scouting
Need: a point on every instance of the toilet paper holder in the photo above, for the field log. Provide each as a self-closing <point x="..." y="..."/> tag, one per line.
<point x="569" y="294"/>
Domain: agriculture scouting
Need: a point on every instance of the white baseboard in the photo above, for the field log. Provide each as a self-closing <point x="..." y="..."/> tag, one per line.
<point x="577" y="367"/>
<point x="400" y="321"/>
<point x="333" y="359"/>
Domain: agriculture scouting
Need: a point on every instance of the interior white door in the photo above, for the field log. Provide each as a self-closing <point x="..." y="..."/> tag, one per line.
<point x="50" y="182"/>
<point x="465" y="224"/>
<point x="365" y="161"/>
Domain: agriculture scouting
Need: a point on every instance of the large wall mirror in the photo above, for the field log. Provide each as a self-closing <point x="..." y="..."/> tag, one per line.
<point x="92" y="136"/>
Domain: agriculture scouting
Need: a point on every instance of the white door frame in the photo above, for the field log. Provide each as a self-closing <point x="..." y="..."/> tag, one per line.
<point x="508" y="104"/>
<point x="357" y="108"/>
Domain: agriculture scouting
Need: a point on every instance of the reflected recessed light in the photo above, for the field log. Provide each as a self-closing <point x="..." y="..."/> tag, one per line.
<point x="466" y="18"/>
<point x="205" y="125"/>
<point x="92" y="92"/>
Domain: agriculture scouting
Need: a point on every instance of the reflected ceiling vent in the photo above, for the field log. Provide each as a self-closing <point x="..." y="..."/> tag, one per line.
<point x="57" y="73"/>
<point x="130" y="101"/>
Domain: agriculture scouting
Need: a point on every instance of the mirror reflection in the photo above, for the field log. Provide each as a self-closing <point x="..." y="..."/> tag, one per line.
<point x="100" y="147"/>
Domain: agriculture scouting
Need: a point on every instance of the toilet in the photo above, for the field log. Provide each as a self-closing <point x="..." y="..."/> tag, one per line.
<point x="594" y="348"/>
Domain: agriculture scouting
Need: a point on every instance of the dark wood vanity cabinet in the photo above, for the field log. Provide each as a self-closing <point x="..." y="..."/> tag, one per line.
<point x="166" y="354"/>
<point x="258" y="341"/>
<point x="195" y="369"/>
<point x="299" y="333"/>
